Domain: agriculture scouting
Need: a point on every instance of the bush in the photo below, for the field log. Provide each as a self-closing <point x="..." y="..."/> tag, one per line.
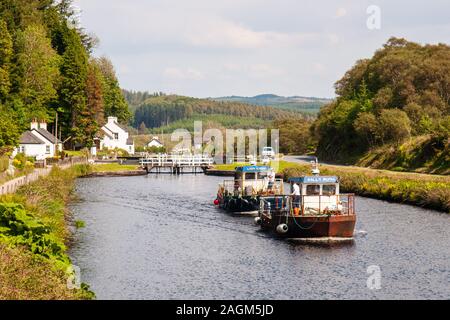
<point x="4" y="163"/>
<point x="18" y="227"/>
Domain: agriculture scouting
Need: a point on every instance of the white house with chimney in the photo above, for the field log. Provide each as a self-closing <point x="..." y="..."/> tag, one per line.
<point x="38" y="142"/>
<point x="112" y="135"/>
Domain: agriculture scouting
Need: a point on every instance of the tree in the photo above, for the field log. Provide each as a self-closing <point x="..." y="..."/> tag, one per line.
<point x="9" y="132"/>
<point x="6" y="52"/>
<point x="38" y="66"/>
<point x="394" y="126"/>
<point x="114" y="100"/>
<point x="366" y="126"/>
<point x="142" y="128"/>
<point x="294" y="136"/>
<point x="72" y="93"/>
<point x="93" y="115"/>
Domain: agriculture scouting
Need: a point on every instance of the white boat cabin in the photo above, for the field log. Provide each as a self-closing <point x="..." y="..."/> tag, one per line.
<point x="317" y="193"/>
<point x="253" y="180"/>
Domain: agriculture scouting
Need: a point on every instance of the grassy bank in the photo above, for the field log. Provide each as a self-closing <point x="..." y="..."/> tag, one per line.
<point x="112" y="167"/>
<point x="423" y="154"/>
<point x="34" y="233"/>
<point x="430" y="191"/>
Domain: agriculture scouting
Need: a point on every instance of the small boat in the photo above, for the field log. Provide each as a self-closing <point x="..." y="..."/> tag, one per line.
<point x="320" y="212"/>
<point x="241" y="195"/>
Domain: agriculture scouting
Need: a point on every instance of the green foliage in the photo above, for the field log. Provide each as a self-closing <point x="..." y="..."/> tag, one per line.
<point x="160" y="111"/>
<point x="38" y="70"/>
<point x="80" y="224"/>
<point x="402" y="90"/>
<point x="6" y="52"/>
<point x="306" y="105"/>
<point x="9" y="132"/>
<point x="17" y="227"/>
<point x="114" y="100"/>
<point x="295" y="136"/>
<point x="4" y="163"/>
<point x="45" y="69"/>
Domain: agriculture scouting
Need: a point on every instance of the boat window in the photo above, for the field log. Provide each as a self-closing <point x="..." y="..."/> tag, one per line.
<point x="313" y="190"/>
<point x="262" y="175"/>
<point x="329" y="190"/>
<point x="250" y="176"/>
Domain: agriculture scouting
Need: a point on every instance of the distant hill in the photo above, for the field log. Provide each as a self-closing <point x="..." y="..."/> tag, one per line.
<point x="164" y="110"/>
<point x="309" y="105"/>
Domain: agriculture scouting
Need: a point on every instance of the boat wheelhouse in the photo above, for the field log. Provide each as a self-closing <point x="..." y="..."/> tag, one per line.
<point x="241" y="195"/>
<point x="318" y="211"/>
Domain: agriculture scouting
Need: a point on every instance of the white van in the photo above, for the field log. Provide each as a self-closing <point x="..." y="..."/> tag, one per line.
<point x="268" y="152"/>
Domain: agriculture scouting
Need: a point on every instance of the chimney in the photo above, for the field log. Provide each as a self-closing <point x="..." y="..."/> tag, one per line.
<point x="43" y="125"/>
<point x="112" y="119"/>
<point x="34" y="124"/>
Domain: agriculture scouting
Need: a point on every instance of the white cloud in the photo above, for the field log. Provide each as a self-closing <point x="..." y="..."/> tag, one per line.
<point x="221" y="33"/>
<point x="245" y="47"/>
<point x="182" y="74"/>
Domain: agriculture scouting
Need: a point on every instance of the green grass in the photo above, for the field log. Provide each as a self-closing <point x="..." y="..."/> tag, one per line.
<point x="73" y="153"/>
<point x="34" y="234"/>
<point x="112" y="167"/>
<point x="425" y="154"/>
<point x="278" y="165"/>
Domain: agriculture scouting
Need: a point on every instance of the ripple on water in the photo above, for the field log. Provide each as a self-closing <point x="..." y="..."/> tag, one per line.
<point x="160" y="237"/>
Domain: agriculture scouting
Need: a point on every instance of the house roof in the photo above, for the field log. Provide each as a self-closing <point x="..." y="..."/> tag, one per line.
<point x="121" y="126"/>
<point x="156" y="140"/>
<point x="105" y="132"/>
<point x="28" y="138"/>
<point x="130" y="141"/>
<point x="47" y="135"/>
<point x="106" y="128"/>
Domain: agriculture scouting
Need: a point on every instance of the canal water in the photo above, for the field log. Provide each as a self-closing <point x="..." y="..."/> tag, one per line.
<point x="160" y="237"/>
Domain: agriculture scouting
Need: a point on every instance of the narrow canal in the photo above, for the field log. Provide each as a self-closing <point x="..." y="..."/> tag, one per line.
<point x="160" y="237"/>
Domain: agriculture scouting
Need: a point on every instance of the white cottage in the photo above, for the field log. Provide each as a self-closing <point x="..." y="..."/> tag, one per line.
<point x="155" y="143"/>
<point x="38" y="142"/>
<point x="113" y="135"/>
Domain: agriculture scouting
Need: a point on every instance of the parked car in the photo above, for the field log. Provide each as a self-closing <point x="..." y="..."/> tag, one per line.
<point x="268" y="152"/>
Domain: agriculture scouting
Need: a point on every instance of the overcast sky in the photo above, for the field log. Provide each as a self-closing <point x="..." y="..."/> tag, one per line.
<point x="209" y="48"/>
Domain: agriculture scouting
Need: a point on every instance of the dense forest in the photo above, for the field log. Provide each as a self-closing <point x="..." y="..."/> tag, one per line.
<point x="306" y="105"/>
<point x="47" y="69"/>
<point x="402" y="92"/>
<point x="162" y="110"/>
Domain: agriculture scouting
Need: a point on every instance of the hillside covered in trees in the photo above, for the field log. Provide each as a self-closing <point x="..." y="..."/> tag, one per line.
<point x="306" y="105"/>
<point x="46" y="68"/>
<point x="163" y="110"/>
<point x="400" y="95"/>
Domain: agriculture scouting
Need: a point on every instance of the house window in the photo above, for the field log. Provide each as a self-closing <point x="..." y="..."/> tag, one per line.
<point x="22" y="149"/>
<point x="47" y="149"/>
<point x="116" y="136"/>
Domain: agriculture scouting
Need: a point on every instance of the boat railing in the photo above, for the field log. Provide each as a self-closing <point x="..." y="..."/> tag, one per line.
<point x="342" y="204"/>
<point x="252" y="187"/>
